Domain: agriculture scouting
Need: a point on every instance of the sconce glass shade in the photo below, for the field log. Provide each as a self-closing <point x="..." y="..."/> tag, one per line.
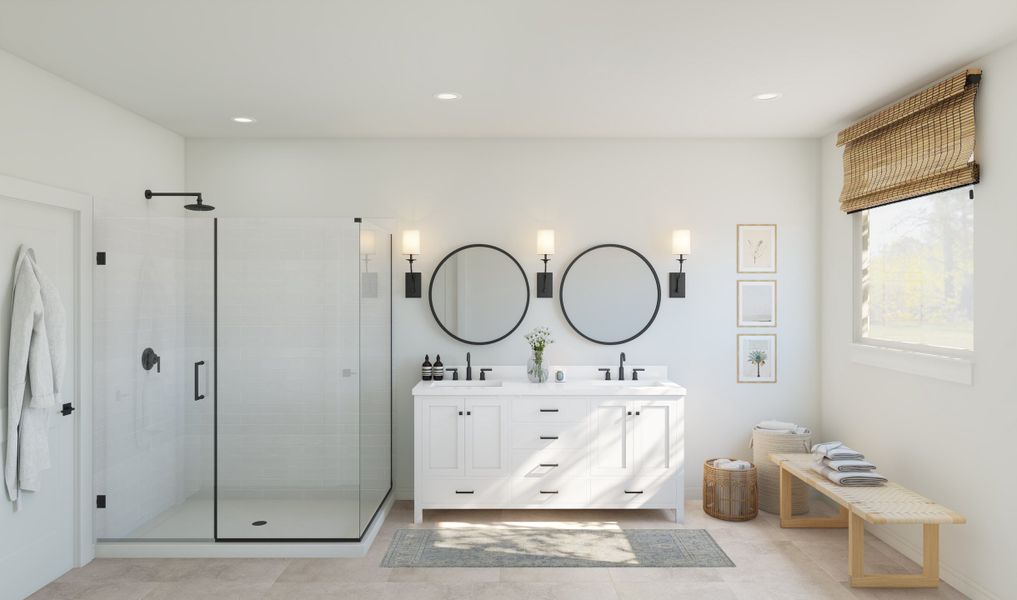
<point x="367" y="242"/>
<point x="545" y="241"/>
<point x="411" y="241"/>
<point x="681" y="242"/>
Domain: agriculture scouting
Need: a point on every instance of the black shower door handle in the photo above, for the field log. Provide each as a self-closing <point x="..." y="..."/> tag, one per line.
<point x="196" y="395"/>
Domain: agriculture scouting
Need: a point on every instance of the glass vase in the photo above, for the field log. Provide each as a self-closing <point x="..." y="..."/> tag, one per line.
<point x="536" y="367"/>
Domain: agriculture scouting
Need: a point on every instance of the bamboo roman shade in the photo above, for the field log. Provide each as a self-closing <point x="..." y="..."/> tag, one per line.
<point x="920" y="145"/>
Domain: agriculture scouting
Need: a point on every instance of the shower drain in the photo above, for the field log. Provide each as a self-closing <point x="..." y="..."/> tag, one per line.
<point x="259" y="523"/>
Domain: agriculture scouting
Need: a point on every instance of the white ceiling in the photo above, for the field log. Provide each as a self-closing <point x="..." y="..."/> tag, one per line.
<point x="525" y="68"/>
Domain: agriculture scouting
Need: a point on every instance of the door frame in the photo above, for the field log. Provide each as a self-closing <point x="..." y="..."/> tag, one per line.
<point x="81" y="205"/>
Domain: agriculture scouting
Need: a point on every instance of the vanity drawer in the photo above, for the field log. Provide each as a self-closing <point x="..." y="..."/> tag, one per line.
<point x="635" y="492"/>
<point x="551" y="491"/>
<point x="555" y="462"/>
<point x="549" y="410"/>
<point x="464" y="491"/>
<point x="550" y="435"/>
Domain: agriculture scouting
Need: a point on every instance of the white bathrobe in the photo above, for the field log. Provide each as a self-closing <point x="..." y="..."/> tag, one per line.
<point x="35" y="372"/>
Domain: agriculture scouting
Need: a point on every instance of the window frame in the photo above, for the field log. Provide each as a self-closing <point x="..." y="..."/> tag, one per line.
<point x="859" y="259"/>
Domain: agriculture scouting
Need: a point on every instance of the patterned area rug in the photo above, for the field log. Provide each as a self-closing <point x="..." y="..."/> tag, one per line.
<point x="554" y="548"/>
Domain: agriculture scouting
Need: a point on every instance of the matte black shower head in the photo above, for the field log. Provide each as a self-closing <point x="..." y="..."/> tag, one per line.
<point x="198" y="206"/>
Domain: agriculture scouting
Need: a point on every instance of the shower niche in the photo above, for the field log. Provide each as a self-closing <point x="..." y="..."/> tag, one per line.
<point x="269" y="415"/>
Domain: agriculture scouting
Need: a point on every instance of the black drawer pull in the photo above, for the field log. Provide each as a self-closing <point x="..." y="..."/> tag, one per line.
<point x="548" y="491"/>
<point x="633" y="491"/>
<point x="548" y="437"/>
<point x="549" y="410"/>
<point x="548" y="464"/>
<point x="464" y="491"/>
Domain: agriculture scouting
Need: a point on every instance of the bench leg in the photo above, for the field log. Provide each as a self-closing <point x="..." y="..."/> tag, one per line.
<point x="788" y="520"/>
<point x="856" y="560"/>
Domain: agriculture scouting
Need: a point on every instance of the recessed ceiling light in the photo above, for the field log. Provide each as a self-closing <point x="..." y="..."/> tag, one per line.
<point x="448" y="96"/>
<point x="768" y="96"/>
<point x="243" y="120"/>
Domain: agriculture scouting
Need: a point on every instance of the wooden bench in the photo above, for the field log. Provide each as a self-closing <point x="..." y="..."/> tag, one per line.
<point x="887" y="504"/>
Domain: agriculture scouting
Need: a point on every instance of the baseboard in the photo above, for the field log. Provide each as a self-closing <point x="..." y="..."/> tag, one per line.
<point x="947" y="573"/>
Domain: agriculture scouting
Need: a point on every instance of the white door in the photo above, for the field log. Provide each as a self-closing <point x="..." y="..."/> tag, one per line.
<point x="654" y="426"/>
<point x="486" y="438"/>
<point x="611" y="449"/>
<point x="37" y="543"/>
<point x="443" y="447"/>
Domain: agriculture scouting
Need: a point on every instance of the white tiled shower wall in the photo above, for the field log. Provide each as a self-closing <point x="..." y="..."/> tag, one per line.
<point x="288" y="357"/>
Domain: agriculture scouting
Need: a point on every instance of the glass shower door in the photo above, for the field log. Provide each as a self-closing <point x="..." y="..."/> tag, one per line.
<point x="375" y="370"/>
<point x="288" y="413"/>
<point x="153" y="398"/>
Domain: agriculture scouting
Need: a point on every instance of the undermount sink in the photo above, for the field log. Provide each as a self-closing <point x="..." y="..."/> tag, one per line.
<point x="466" y="384"/>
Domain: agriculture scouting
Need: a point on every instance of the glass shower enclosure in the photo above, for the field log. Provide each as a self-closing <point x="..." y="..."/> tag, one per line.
<point x="242" y="378"/>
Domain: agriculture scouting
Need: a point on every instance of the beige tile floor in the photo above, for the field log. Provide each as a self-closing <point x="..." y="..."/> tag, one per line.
<point x="772" y="563"/>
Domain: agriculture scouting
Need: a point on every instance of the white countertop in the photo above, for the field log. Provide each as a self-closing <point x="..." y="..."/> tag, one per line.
<point x="571" y="388"/>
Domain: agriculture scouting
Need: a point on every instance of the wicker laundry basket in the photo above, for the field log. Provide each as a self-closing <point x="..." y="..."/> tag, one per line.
<point x="764" y="443"/>
<point x="729" y="495"/>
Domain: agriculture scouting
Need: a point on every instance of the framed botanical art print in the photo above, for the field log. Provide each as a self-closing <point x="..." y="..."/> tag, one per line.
<point x="757" y="358"/>
<point x="757" y="248"/>
<point x="757" y="303"/>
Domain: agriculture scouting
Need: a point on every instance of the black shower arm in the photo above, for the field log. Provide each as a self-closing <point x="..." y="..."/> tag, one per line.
<point x="149" y="194"/>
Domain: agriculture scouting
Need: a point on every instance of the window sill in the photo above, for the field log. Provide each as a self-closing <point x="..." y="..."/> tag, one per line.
<point x="935" y="366"/>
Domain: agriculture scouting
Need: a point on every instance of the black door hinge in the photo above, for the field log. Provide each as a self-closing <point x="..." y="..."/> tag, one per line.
<point x="100" y="501"/>
<point x="100" y="258"/>
<point x="66" y="409"/>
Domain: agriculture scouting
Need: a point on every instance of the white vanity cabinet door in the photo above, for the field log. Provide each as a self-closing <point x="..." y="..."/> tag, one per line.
<point x="487" y="453"/>
<point x="443" y="437"/>
<point x="655" y="435"/>
<point x="611" y="447"/>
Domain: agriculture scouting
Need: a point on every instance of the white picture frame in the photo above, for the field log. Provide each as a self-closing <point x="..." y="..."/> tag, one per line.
<point x="756" y="303"/>
<point x="750" y="368"/>
<point x="757" y="248"/>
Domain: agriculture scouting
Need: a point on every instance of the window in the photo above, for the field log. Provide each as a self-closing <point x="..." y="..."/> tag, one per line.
<point x="917" y="284"/>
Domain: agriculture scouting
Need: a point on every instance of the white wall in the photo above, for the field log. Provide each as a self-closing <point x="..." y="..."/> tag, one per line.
<point x="946" y="441"/>
<point x="631" y="192"/>
<point x="53" y="132"/>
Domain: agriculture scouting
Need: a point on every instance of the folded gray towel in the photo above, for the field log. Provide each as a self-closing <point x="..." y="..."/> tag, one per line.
<point x="837" y="451"/>
<point x="870" y="478"/>
<point x="849" y="465"/>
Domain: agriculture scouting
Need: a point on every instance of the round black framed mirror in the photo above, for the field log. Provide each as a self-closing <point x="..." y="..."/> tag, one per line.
<point x="479" y="294"/>
<point x="610" y="294"/>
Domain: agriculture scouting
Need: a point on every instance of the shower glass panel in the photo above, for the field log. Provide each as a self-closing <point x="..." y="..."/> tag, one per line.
<point x="153" y="447"/>
<point x="288" y="418"/>
<point x="375" y="369"/>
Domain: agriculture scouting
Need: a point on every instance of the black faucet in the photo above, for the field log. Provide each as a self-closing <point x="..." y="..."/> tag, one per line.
<point x="469" y="368"/>
<point x="621" y="367"/>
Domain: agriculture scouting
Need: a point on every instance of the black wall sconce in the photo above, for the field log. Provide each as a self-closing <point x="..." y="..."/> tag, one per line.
<point x="411" y="248"/>
<point x="681" y="246"/>
<point x="545" y="246"/>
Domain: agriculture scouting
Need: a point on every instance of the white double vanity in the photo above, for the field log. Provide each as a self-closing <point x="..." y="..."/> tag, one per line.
<point x="585" y="443"/>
